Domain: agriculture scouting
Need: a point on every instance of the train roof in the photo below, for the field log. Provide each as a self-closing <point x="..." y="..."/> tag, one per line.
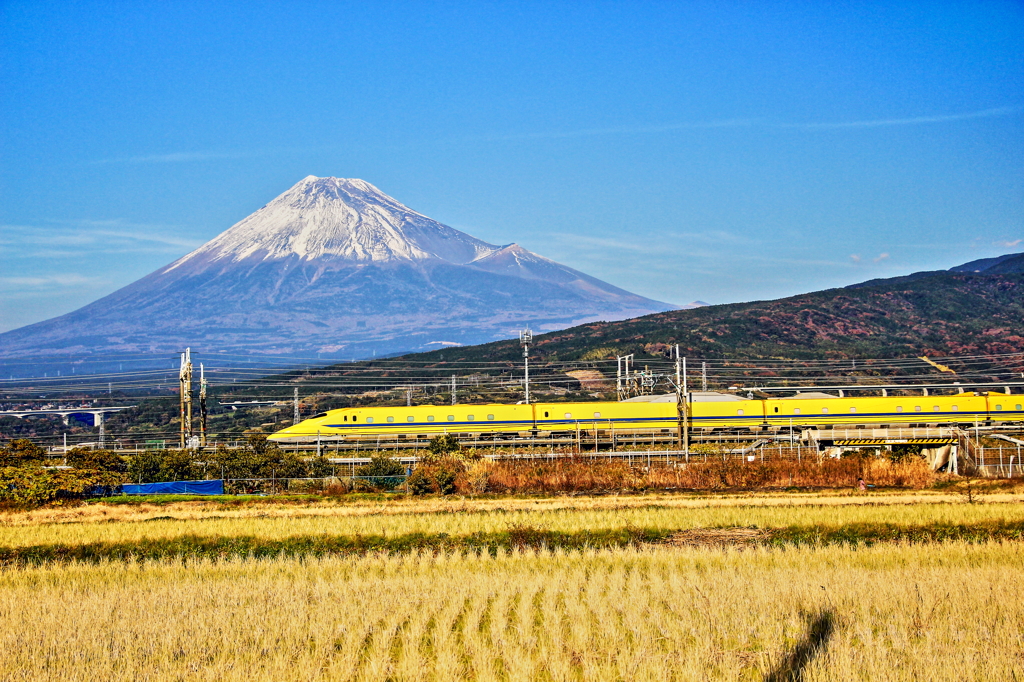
<point x="695" y="396"/>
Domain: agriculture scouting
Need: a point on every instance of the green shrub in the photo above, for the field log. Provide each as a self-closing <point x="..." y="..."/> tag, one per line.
<point x="443" y="446"/>
<point x="177" y="465"/>
<point x="901" y="453"/>
<point x="319" y="467"/>
<point x="34" y="486"/>
<point x="98" y="460"/>
<point x="144" y="466"/>
<point x="381" y="473"/>
<point x="436" y="476"/>
<point x="21" y="452"/>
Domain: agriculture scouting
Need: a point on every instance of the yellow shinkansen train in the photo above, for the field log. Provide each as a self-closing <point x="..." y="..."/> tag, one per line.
<point x="707" y="412"/>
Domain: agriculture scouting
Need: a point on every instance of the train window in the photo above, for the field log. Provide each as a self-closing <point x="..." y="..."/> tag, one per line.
<point x="853" y="410"/>
<point x="796" y="410"/>
<point x="471" y="418"/>
<point x="391" y="419"/>
<point x="319" y="416"/>
<point x="353" y="417"/>
<point x="776" y="410"/>
<point x="824" y="410"/>
<point x="451" y="417"/>
<point x="935" y="408"/>
<point x="545" y="414"/>
<point x="568" y="415"/>
<point x="917" y="408"/>
<point x="739" y="413"/>
<point x="999" y="408"/>
<point x="899" y="409"/>
<point x="956" y="409"/>
<point x="346" y="417"/>
<point x="490" y="417"/>
<point x="369" y="420"/>
<point x="1016" y="407"/>
<point x="597" y="415"/>
<point x="410" y="419"/>
<point x="430" y="418"/>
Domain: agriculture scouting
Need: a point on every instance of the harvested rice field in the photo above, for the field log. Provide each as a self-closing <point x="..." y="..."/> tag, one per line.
<point x="752" y="587"/>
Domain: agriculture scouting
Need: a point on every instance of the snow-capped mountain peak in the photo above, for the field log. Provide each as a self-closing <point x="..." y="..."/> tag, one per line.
<point x="334" y="264"/>
<point x="337" y="219"/>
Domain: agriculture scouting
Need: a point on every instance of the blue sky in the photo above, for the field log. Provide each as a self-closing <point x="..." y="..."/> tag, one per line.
<point x="707" y="150"/>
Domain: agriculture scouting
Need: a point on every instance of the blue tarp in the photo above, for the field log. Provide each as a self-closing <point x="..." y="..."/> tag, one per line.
<point x="175" y="488"/>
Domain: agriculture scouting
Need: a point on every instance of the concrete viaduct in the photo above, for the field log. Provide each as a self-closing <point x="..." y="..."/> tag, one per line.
<point x="65" y="413"/>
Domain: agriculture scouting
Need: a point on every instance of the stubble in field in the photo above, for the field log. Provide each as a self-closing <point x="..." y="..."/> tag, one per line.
<point x="894" y="612"/>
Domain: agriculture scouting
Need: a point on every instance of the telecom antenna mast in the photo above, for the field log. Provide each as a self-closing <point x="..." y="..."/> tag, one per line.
<point x="202" y="406"/>
<point x="185" y="394"/>
<point x="526" y="338"/>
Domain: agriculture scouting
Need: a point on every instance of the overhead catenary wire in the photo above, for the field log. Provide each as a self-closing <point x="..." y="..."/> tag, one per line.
<point x="389" y="374"/>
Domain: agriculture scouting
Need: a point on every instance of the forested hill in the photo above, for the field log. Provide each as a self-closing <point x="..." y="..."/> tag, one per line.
<point x="943" y="313"/>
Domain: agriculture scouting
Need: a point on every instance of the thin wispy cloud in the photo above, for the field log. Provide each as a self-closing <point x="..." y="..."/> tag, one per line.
<point x="154" y="238"/>
<point x="909" y="121"/>
<point x="855" y="257"/>
<point x="640" y="129"/>
<point x="881" y="257"/>
<point x="59" y="280"/>
<point x="606" y="243"/>
<point x="1009" y="244"/>
<point x="107" y="235"/>
<point x="200" y="155"/>
<point x="712" y="237"/>
<point x="751" y="123"/>
<point x="620" y="130"/>
<point x="176" y="157"/>
<point x="655" y="243"/>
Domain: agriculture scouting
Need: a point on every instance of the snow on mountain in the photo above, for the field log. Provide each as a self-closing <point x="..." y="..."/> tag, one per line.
<point x="333" y="266"/>
<point x="338" y="218"/>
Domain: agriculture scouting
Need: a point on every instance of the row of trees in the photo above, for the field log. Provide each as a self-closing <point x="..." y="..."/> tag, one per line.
<point x="29" y="477"/>
<point x="259" y="458"/>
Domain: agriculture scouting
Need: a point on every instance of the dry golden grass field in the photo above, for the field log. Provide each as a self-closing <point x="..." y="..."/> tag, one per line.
<point x="690" y="606"/>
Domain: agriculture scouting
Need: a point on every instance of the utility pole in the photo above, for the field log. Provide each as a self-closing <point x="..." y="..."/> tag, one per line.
<point x="618" y="376"/>
<point x="704" y="377"/>
<point x="185" y="395"/>
<point x="453" y="389"/>
<point x="295" y="418"/>
<point x="686" y="415"/>
<point x="625" y="382"/>
<point x="202" y="406"/>
<point x="526" y="338"/>
<point x="679" y="400"/>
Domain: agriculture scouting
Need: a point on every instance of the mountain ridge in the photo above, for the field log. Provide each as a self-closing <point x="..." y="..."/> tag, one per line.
<point x="941" y="313"/>
<point x="1007" y="264"/>
<point x="332" y="265"/>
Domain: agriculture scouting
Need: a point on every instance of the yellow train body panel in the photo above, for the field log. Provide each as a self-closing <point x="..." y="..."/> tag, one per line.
<point x="568" y="417"/>
<point x="960" y="409"/>
<point x="732" y="414"/>
<point x="1003" y="407"/>
<point x="654" y="417"/>
<point x="428" y="420"/>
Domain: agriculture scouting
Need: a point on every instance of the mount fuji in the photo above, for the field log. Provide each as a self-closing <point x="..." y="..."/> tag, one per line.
<point x="337" y="267"/>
